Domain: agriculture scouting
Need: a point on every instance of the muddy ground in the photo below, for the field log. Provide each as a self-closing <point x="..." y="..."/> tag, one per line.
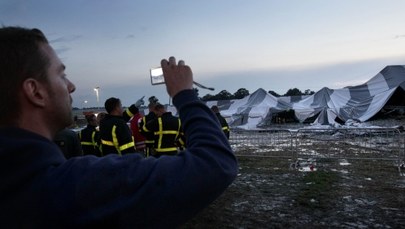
<point x="268" y="193"/>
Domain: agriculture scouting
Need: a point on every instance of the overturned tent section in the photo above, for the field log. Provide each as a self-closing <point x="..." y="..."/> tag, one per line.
<point x="359" y="103"/>
<point x="251" y="111"/>
<point x="382" y="94"/>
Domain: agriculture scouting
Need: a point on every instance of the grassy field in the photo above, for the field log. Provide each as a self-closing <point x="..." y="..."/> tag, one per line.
<point x="269" y="194"/>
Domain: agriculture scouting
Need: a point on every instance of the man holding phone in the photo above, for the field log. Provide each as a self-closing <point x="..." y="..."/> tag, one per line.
<point x="41" y="189"/>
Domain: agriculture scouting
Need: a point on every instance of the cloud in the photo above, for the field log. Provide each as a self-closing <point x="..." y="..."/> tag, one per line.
<point x="130" y="36"/>
<point x="333" y="75"/>
<point x="65" y="39"/>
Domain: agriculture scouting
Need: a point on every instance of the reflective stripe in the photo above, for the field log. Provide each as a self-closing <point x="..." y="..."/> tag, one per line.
<point x="109" y="143"/>
<point x="115" y="143"/>
<point x="100" y="148"/>
<point x="181" y="142"/>
<point x="144" y="124"/>
<point x="129" y="113"/>
<point x="166" y="132"/>
<point x="93" y="141"/>
<point x="86" y="143"/>
<point x="144" y="128"/>
<point x="126" y="146"/>
<point x="93" y="138"/>
<point x="80" y="137"/>
<point x="115" y="140"/>
<point x="161" y="132"/>
<point x="225" y="128"/>
<point x="166" y="149"/>
<point x="178" y="129"/>
<point x="160" y="135"/>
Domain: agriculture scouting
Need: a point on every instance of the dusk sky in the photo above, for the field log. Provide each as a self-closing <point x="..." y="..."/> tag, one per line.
<point x="229" y="44"/>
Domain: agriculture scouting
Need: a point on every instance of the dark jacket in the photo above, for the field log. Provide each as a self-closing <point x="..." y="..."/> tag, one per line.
<point x="90" y="140"/>
<point x="224" y="124"/>
<point x="115" y="136"/>
<point x="39" y="188"/>
<point x="69" y="142"/>
<point x="150" y="137"/>
<point x="166" y="130"/>
<point x="130" y="112"/>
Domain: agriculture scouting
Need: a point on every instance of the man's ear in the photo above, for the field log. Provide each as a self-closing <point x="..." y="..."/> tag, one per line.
<point x="35" y="92"/>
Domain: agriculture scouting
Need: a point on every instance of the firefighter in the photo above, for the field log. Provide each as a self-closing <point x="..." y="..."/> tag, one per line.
<point x="89" y="137"/>
<point x="69" y="143"/>
<point x="100" y="117"/>
<point x="149" y="136"/>
<point x="116" y="137"/>
<point x="222" y="121"/>
<point x="166" y="129"/>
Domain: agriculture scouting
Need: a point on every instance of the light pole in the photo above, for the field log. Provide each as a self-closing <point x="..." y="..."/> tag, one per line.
<point x="96" y="89"/>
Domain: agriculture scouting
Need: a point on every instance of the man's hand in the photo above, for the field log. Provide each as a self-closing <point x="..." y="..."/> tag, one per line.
<point x="139" y="102"/>
<point x="178" y="77"/>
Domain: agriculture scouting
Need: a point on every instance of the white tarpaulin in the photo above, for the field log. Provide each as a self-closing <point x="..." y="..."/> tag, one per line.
<point x="360" y="102"/>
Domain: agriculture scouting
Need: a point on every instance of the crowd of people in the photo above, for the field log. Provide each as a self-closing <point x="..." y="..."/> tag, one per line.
<point x="155" y="134"/>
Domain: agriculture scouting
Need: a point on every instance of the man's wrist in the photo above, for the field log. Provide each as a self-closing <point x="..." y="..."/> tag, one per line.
<point x="185" y="96"/>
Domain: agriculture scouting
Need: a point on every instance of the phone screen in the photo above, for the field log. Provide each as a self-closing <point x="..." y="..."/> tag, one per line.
<point x="156" y="76"/>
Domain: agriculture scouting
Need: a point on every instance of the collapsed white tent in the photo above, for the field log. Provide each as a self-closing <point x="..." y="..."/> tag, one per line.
<point x="250" y="111"/>
<point x="360" y="102"/>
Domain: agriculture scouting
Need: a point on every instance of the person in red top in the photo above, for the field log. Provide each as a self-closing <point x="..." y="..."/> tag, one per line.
<point x="138" y="137"/>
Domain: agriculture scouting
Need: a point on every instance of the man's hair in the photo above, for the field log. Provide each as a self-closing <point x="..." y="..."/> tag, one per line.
<point x="101" y="116"/>
<point x="111" y="103"/>
<point x="90" y="117"/>
<point x="215" y="109"/>
<point x="20" y="58"/>
<point x="159" y="106"/>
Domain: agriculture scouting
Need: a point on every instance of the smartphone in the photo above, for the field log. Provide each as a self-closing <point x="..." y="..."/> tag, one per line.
<point x="156" y="76"/>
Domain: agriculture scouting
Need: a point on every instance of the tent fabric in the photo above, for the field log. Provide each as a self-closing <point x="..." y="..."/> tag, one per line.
<point x="249" y="112"/>
<point x="359" y="102"/>
<point x="326" y="117"/>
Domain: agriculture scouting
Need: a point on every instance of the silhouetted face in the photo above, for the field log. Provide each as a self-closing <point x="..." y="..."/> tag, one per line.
<point x="159" y="112"/>
<point x="100" y="117"/>
<point x="93" y="120"/>
<point x="59" y="88"/>
<point x="119" y="109"/>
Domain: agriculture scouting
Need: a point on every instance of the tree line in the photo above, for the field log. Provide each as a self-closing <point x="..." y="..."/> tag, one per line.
<point x="225" y="95"/>
<point x="243" y="92"/>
